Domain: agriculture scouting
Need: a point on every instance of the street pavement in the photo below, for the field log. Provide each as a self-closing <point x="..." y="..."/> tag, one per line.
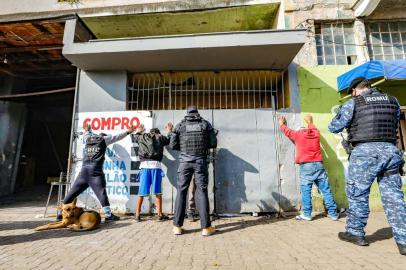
<point x="241" y="243"/>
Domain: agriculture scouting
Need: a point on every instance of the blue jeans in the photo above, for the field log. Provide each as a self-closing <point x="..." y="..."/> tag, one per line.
<point x="313" y="172"/>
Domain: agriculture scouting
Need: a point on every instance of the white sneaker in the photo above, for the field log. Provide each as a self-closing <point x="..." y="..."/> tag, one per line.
<point x="177" y="230"/>
<point x="334" y="218"/>
<point x="303" y="217"/>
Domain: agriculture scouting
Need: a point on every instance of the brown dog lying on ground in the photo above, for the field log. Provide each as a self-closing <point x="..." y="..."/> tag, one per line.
<point x="74" y="218"/>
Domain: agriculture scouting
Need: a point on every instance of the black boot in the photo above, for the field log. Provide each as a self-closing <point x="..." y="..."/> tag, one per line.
<point x="402" y="249"/>
<point x="111" y="218"/>
<point x="162" y="217"/>
<point x="357" y="240"/>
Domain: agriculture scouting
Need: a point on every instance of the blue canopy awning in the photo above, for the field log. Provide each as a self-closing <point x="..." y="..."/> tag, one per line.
<point x="389" y="70"/>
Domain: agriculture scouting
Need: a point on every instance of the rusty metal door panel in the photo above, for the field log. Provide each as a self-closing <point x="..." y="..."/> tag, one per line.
<point x="246" y="168"/>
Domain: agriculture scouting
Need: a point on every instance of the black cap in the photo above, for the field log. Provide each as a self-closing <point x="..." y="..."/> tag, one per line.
<point x="192" y="109"/>
<point x="354" y="83"/>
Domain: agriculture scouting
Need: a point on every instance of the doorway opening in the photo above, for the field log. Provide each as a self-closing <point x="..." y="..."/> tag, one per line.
<point x="38" y="91"/>
<point x="46" y="139"/>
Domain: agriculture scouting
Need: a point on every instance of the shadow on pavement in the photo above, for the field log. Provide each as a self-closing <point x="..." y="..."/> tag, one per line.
<point x="20" y="225"/>
<point x="242" y="224"/>
<point x="51" y="234"/>
<point x="380" y="235"/>
<point x="34" y="197"/>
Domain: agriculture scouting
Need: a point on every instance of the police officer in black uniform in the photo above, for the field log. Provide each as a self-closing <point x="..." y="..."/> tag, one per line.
<point x="193" y="136"/>
<point x="92" y="173"/>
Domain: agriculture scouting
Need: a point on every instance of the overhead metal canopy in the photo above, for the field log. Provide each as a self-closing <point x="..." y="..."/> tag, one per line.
<point x="267" y="49"/>
<point x="33" y="49"/>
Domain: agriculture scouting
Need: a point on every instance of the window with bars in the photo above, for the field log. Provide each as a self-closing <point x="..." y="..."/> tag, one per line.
<point x="335" y="44"/>
<point x="207" y="90"/>
<point x="386" y="40"/>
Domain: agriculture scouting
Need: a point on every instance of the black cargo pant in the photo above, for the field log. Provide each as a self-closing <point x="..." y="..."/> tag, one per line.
<point x="92" y="176"/>
<point x="186" y="170"/>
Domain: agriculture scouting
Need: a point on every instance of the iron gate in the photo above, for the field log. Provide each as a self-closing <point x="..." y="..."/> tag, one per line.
<point x="241" y="105"/>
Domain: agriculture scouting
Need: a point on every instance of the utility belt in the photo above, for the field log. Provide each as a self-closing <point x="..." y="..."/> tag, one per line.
<point x="349" y="146"/>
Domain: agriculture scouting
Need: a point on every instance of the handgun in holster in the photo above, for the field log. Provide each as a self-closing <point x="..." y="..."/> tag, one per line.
<point x="348" y="147"/>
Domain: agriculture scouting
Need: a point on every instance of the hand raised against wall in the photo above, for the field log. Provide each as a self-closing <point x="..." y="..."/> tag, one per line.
<point x="141" y="128"/>
<point x="130" y="129"/>
<point x="169" y="127"/>
<point x="282" y="120"/>
<point x="87" y="127"/>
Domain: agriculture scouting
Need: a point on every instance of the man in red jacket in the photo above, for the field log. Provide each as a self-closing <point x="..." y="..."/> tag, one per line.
<point x="310" y="160"/>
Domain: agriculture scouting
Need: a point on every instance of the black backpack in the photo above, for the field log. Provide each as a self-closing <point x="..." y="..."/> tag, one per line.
<point x="150" y="147"/>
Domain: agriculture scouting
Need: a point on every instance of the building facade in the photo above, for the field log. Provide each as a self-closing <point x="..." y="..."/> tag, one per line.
<point x="340" y="37"/>
<point x="242" y="63"/>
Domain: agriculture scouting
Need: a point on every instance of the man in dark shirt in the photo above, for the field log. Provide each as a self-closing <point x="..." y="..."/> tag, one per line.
<point x="193" y="136"/>
<point x="151" y="146"/>
<point x="92" y="173"/>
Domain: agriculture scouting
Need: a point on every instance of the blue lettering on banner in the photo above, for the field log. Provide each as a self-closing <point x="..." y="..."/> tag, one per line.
<point x="117" y="190"/>
<point x="109" y="152"/>
<point x="114" y="165"/>
<point x="111" y="190"/>
<point x="116" y="178"/>
<point x="89" y="191"/>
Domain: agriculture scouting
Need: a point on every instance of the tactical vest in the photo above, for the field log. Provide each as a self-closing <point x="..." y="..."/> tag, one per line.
<point x="95" y="150"/>
<point x="194" y="137"/>
<point x="374" y="119"/>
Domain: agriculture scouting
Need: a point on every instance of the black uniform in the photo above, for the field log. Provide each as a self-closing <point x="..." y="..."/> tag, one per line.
<point x="193" y="136"/>
<point x="92" y="173"/>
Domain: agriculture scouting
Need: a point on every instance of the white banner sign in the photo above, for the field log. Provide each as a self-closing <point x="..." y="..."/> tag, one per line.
<point x="121" y="166"/>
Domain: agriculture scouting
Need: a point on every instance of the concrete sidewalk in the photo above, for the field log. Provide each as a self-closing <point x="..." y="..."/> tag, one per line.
<point x="241" y="243"/>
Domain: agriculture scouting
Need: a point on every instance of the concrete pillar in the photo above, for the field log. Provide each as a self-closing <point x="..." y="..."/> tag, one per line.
<point x="361" y="41"/>
<point x="108" y="86"/>
<point x="308" y="54"/>
<point x="280" y="19"/>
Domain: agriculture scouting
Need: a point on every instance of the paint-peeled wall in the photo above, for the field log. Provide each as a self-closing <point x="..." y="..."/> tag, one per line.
<point x="318" y="96"/>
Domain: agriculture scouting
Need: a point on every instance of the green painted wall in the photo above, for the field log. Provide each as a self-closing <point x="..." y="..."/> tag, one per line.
<point x="318" y="95"/>
<point x="244" y="18"/>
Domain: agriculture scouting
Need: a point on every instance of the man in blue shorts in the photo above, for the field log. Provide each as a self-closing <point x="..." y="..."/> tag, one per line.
<point x="151" y="147"/>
